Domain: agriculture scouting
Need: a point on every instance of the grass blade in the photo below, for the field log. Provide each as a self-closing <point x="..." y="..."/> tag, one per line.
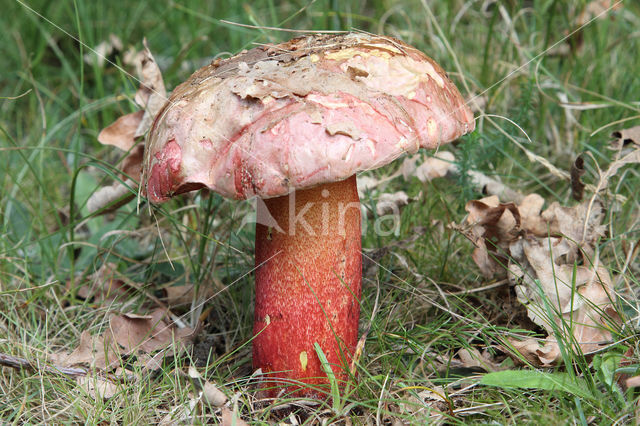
<point x="532" y="379"/>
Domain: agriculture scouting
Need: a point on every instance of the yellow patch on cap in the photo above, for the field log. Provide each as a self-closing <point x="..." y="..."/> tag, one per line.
<point x="350" y="52"/>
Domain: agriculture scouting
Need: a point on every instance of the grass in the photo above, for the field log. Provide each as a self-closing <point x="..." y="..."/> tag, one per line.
<point x="54" y="104"/>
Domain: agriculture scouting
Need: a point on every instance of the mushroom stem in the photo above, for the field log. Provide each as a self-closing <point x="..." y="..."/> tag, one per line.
<point x="308" y="283"/>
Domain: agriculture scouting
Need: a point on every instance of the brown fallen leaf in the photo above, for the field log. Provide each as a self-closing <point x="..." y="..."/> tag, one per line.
<point x="181" y="295"/>
<point x="111" y="196"/>
<point x="132" y="164"/>
<point x="427" y="398"/>
<point x="366" y="184"/>
<point x="96" y="352"/>
<point x="391" y="203"/>
<point x="633" y="382"/>
<point x="626" y="137"/>
<point x="182" y="414"/>
<point x="435" y="167"/>
<point x="577" y="186"/>
<point x="121" y="133"/>
<point x="471" y="357"/>
<point x="213" y="395"/>
<point x="210" y="393"/>
<point x="104" y="286"/>
<point x="150" y="337"/>
<point x="492" y="227"/>
<point x="152" y="94"/>
<point x="231" y="418"/>
<point x="103" y="50"/>
<point x="627" y="151"/>
<point x="543" y="353"/>
<point x="551" y="260"/>
<point x="127" y="131"/>
<point x="145" y="333"/>
<point x="97" y="387"/>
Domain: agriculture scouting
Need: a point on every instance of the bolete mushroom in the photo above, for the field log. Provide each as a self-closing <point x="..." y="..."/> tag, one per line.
<point x="293" y="123"/>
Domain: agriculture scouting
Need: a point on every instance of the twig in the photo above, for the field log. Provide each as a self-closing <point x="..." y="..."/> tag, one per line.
<point x="24" y="364"/>
<point x="479" y="289"/>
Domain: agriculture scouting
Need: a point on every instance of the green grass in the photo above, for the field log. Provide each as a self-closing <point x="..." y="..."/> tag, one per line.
<point x="54" y="104"/>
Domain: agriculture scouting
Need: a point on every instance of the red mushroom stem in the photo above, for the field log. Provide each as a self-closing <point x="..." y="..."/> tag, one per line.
<point x="308" y="286"/>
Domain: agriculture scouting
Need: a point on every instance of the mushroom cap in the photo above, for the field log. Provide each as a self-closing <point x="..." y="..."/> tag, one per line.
<point x="294" y="115"/>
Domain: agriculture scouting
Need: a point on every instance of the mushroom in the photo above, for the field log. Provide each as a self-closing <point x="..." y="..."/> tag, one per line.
<point x="292" y="124"/>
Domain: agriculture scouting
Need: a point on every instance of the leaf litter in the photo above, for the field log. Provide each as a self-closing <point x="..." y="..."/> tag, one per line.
<point x="208" y="395"/>
<point x="127" y="132"/>
<point x="551" y="258"/>
<point x="131" y="341"/>
<point x="129" y="334"/>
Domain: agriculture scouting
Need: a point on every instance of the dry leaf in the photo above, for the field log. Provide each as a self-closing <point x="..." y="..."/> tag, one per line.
<point x="99" y="54"/>
<point x="104" y="286"/>
<point x="632" y="157"/>
<point x="577" y="186"/>
<point x="530" y="219"/>
<point x="427" y="398"/>
<point x="121" y="193"/>
<point x="179" y="295"/>
<point x="366" y="184"/>
<point x="213" y="395"/>
<point x="431" y="168"/>
<point x="132" y="164"/>
<point x="152" y="94"/>
<point x="633" y="382"/>
<point x="471" y="357"/>
<point x="143" y="333"/>
<point x="182" y="414"/>
<point x="409" y="166"/>
<point x="97" y="387"/>
<point x="492" y="186"/>
<point x="492" y="227"/>
<point x="436" y="166"/>
<point x="97" y="352"/>
<point x="150" y="338"/>
<point x="543" y="353"/>
<point x="627" y="147"/>
<point x="231" y="419"/>
<point x="540" y="250"/>
<point x="152" y="362"/>
<point x="435" y="393"/>
<point x="108" y="195"/>
<point x="391" y="203"/>
<point x="210" y="393"/>
<point x="194" y="373"/>
<point x="126" y="131"/>
<point x="626" y="137"/>
<point x="121" y="133"/>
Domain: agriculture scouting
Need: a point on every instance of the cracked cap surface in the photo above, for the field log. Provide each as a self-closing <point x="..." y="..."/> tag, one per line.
<point x="294" y="115"/>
